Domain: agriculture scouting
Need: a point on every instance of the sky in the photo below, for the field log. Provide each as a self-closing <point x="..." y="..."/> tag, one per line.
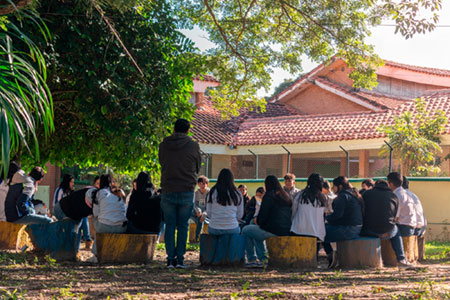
<point x="431" y="49"/>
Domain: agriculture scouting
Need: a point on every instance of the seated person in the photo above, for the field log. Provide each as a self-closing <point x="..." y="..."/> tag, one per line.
<point x="18" y="206"/>
<point x="244" y="191"/>
<point x="108" y="207"/>
<point x="274" y="219"/>
<point x="252" y="204"/>
<point x="40" y="207"/>
<point x="308" y="210"/>
<point x="4" y="187"/>
<point x="224" y="206"/>
<point x="345" y="222"/>
<point x="74" y="207"/>
<point x="144" y="209"/>
<point x="199" y="211"/>
<point x="330" y="196"/>
<point x="421" y="221"/>
<point x="380" y="209"/>
<point x="366" y="185"/>
<point x="406" y="218"/>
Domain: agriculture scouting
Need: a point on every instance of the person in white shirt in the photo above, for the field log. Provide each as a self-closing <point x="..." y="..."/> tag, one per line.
<point x="406" y="214"/>
<point x="224" y="206"/>
<point x="109" y="208"/>
<point x="308" y="210"/>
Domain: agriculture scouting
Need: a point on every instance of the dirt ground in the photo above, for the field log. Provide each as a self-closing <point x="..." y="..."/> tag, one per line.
<point x="26" y="276"/>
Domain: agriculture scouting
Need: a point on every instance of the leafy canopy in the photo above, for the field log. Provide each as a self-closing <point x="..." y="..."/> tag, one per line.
<point x="106" y="111"/>
<point x="254" y="36"/>
<point x="414" y="137"/>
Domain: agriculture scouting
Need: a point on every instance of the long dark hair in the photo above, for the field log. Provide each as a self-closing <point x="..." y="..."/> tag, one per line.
<point x="227" y="193"/>
<point x="144" y="183"/>
<point x="343" y="185"/>
<point x="106" y="181"/>
<point x="313" y="191"/>
<point x="273" y="186"/>
<point x="65" y="184"/>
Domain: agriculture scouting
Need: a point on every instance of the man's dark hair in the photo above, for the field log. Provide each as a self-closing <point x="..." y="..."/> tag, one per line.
<point x="405" y="183"/>
<point x="203" y="179"/>
<point x="326" y="184"/>
<point x="381" y="182"/>
<point x="261" y="190"/>
<point x="289" y="176"/>
<point x="368" y="182"/>
<point x="395" y="178"/>
<point x="182" y="126"/>
<point x="37" y="173"/>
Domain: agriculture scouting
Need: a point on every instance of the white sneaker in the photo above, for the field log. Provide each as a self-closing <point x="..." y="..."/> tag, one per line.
<point x="92" y="259"/>
<point x="404" y="264"/>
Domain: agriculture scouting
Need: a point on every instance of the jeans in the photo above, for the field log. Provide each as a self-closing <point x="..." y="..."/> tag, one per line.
<point x="104" y="228"/>
<point x="254" y="240"/>
<point x="85" y="228"/>
<point x="395" y="238"/>
<point x="336" y="233"/>
<point x="33" y="219"/>
<point x="177" y="209"/>
<point x="199" y="226"/>
<point x="405" y="230"/>
<point x="213" y="231"/>
<point x="60" y="215"/>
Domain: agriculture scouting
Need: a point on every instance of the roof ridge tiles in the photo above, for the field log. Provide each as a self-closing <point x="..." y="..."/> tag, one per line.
<point x="421" y="69"/>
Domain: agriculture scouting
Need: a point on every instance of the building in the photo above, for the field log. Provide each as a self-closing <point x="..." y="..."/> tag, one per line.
<point x="307" y="127"/>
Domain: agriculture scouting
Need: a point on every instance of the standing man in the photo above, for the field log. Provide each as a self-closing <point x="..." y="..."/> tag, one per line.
<point x="406" y="214"/>
<point x="289" y="185"/>
<point x="180" y="161"/>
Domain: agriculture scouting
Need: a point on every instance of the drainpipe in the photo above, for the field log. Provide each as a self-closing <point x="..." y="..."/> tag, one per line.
<point x="390" y="156"/>
<point x="288" y="160"/>
<point x="256" y="165"/>
<point x="347" y="169"/>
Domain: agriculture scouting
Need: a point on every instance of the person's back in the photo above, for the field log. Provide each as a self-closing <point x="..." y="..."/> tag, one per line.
<point x="380" y="209"/>
<point x="274" y="215"/>
<point x="74" y="205"/>
<point x="224" y="217"/>
<point x="144" y="211"/>
<point x="112" y="209"/>
<point x="308" y="218"/>
<point x="346" y="210"/>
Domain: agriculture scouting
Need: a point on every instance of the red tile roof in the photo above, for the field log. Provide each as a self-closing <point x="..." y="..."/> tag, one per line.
<point x="294" y="129"/>
<point x="432" y="71"/>
<point x="206" y="78"/>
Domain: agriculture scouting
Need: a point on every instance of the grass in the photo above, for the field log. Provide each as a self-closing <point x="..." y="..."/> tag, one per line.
<point x="437" y="250"/>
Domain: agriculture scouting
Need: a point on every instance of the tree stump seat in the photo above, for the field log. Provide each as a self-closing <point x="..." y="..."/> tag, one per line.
<point x="292" y="252"/>
<point x="360" y="252"/>
<point x="409" y="246"/>
<point x="192" y="230"/>
<point x="125" y="248"/>
<point x="56" y="239"/>
<point x="13" y="236"/>
<point x="222" y="250"/>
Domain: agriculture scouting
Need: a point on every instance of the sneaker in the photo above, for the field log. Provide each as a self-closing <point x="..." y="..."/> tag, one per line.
<point x="88" y="245"/>
<point x="251" y="264"/>
<point x="404" y="263"/>
<point x="332" y="260"/>
<point x="92" y="259"/>
<point x="181" y="265"/>
<point x="171" y="263"/>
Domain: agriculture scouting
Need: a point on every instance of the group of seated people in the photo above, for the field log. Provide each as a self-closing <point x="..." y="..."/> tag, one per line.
<point x="384" y="209"/>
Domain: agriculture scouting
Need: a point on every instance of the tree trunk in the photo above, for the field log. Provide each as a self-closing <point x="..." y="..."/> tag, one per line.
<point x="7" y="8"/>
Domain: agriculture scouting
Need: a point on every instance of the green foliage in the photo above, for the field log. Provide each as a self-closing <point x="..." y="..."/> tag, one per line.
<point x="25" y="101"/>
<point x="252" y="37"/>
<point x="414" y="136"/>
<point x="106" y="111"/>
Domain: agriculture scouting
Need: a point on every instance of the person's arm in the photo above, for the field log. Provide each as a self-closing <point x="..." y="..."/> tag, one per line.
<point x="240" y="208"/>
<point x="208" y="207"/>
<point x="265" y="210"/>
<point x="199" y="158"/>
<point x="23" y="206"/>
<point x="295" y="203"/>
<point x="338" y="208"/>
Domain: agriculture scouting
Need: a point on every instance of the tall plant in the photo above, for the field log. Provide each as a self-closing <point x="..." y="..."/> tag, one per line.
<point x="414" y="137"/>
<point x="25" y="100"/>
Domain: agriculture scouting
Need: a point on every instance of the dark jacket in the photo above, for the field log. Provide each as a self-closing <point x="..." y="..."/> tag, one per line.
<point x="13" y="195"/>
<point x="274" y="215"/>
<point x="249" y="210"/>
<point x="74" y="206"/>
<point x="180" y="161"/>
<point x="380" y="208"/>
<point x="347" y="210"/>
<point x="144" y="211"/>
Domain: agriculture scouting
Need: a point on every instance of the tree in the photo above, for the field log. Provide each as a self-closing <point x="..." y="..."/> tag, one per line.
<point x="414" y="137"/>
<point x="25" y="100"/>
<point x="106" y="110"/>
<point x="254" y="36"/>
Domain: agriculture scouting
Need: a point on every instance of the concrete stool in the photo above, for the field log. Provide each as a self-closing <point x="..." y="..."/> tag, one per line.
<point x="222" y="250"/>
<point x="361" y="252"/>
<point x="125" y="248"/>
<point x="56" y="239"/>
<point x="409" y="246"/>
<point x="292" y="252"/>
<point x="13" y="236"/>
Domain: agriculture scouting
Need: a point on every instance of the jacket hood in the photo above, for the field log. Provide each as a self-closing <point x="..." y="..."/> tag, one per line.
<point x="382" y="186"/>
<point x="177" y="141"/>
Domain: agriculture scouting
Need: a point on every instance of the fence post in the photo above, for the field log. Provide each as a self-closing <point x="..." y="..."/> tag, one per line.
<point x="288" y="160"/>
<point x="256" y="164"/>
<point x="390" y="156"/>
<point x="347" y="162"/>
